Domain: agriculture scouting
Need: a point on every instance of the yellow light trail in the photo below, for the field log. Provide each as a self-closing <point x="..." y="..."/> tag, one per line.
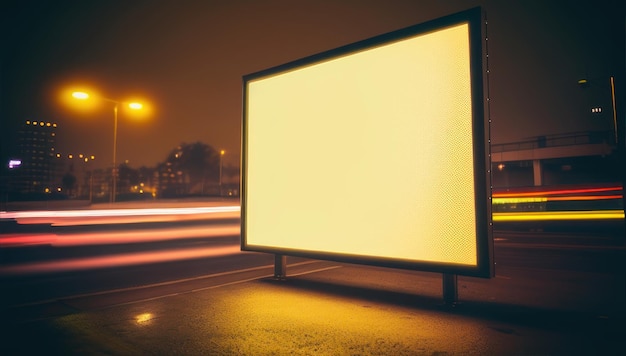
<point x="533" y="199"/>
<point x="558" y="215"/>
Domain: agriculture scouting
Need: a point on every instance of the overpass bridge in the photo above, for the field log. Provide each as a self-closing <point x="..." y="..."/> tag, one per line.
<point x="542" y="148"/>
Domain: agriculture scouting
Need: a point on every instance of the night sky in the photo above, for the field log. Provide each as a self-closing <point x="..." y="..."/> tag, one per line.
<point x="188" y="57"/>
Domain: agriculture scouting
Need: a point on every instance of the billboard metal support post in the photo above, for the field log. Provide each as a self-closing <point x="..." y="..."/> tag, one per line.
<point x="280" y="266"/>
<point x="450" y="291"/>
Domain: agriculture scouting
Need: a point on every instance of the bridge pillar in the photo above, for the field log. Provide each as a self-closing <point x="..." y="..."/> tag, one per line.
<point x="537" y="173"/>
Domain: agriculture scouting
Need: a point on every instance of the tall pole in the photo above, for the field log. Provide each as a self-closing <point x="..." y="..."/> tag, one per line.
<point x="221" y="165"/>
<point x="614" y="109"/>
<point x="135" y="106"/>
<point x="621" y="150"/>
<point x="113" y="175"/>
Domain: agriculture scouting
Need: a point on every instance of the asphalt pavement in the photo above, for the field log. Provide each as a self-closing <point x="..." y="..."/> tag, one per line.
<point x="327" y="308"/>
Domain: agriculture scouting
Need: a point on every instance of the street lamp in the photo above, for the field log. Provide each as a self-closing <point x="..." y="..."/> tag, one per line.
<point x="222" y="152"/>
<point x="621" y="148"/>
<point x="135" y="106"/>
<point x="585" y="82"/>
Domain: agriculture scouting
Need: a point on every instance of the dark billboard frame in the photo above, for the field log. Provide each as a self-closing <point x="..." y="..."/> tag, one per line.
<point x="480" y="137"/>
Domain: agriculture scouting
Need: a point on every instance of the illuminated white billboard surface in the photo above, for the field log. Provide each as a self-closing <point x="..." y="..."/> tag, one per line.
<point x="368" y="154"/>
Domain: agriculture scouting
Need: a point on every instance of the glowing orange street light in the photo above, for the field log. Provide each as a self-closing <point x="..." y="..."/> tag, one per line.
<point x="135" y="106"/>
<point x="80" y="95"/>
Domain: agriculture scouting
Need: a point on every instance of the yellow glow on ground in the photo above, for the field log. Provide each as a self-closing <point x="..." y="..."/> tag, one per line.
<point x="143" y="318"/>
<point x="368" y="154"/>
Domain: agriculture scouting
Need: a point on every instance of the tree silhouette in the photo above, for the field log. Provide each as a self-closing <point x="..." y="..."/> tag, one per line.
<point x="69" y="183"/>
<point x="127" y="177"/>
<point x="192" y="167"/>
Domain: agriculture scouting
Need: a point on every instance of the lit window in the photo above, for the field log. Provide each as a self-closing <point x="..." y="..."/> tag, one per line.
<point x="14" y="163"/>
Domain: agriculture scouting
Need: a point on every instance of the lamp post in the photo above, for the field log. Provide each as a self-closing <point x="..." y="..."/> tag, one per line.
<point x="585" y="82"/>
<point x="621" y="146"/>
<point x="135" y="106"/>
<point x="222" y="152"/>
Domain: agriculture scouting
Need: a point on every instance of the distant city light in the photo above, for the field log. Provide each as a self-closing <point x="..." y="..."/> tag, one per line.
<point x="596" y="110"/>
<point x="14" y="163"/>
<point x="41" y="123"/>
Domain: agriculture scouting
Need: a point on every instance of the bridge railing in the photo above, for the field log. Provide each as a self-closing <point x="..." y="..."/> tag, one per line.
<point x="570" y="139"/>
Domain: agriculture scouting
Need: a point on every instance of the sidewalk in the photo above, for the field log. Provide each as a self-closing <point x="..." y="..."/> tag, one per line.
<point x="338" y="309"/>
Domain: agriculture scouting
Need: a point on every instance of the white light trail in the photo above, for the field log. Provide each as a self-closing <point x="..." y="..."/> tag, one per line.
<point x="116" y="212"/>
<point x="120" y="216"/>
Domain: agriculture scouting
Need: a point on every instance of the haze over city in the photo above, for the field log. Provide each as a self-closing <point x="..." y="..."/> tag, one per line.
<point x="187" y="59"/>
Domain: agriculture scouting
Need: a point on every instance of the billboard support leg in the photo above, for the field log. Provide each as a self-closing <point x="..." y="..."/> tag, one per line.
<point x="280" y="266"/>
<point x="450" y="292"/>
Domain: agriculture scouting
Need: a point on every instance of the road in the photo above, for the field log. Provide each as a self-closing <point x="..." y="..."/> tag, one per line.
<point x="51" y="256"/>
<point x="159" y="282"/>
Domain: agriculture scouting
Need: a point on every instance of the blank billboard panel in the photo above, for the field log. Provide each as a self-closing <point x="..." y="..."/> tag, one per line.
<point x="373" y="153"/>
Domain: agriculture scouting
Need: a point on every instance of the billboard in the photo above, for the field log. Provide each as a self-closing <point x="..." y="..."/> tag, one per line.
<point x="373" y="153"/>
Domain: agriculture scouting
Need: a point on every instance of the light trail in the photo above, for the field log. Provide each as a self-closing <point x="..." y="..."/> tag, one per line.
<point x="556" y="192"/>
<point x="558" y="215"/>
<point x="119" y="216"/>
<point x="118" y="237"/>
<point x="116" y="212"/>
<point x="117" y="260"/>
<point x="541" y="199"/>
<point x="588" y="203"/>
